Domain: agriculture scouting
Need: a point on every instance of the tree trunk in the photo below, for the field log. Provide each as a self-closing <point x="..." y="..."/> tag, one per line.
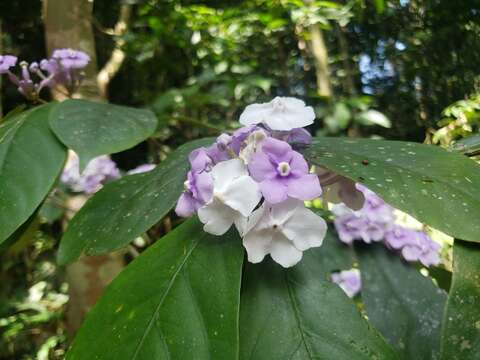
<point x="320" y="55"/>
<point x="68" y="25"/>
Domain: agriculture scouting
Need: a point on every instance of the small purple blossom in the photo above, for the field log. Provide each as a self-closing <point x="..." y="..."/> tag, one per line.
<point x="370" y="223"/>
<point x="240" y="136"/>
<point x="282" y="173"/>
<point x="349" y="280"/>
<point x="98" y="171"/>
<point x="198" y="192"/>
<point x="414" y="245"/>
<point x="71" y="59"/>
<point x="7" y="62"/>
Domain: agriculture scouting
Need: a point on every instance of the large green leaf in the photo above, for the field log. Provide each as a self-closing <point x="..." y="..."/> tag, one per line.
<point x="437" y="187"/>
<point x="92" y="129"/>
<point x="126" y="208"/>
<point x="31" y="158"/>
<point x="405" y="306"/>
<point x="178" y="300"/>
<point x="461" y="328"/>
<point x="295" y="314"/>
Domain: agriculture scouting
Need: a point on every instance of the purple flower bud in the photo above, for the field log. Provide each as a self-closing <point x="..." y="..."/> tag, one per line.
<point x="282" y="173"/>
<point x="349" y="280"/>
<point x="297" y="136"/>
<point x="7" y="62"/>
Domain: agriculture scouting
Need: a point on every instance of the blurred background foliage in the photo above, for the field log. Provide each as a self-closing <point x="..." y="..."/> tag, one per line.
<point x="398" y="69"/>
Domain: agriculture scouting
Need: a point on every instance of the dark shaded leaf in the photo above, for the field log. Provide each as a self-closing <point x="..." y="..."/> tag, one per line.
<point x="405" y="306"/>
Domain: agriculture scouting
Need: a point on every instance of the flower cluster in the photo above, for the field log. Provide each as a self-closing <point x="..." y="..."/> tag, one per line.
<point x="348" y="280"/>
<point x="255" y="180"/>
<point x="63" y="68"/>
<point x="98" y="171"/>
<point x="375" y="221"/>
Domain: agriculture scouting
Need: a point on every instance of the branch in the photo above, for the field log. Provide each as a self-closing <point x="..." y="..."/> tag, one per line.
<point x="117" y="57"/>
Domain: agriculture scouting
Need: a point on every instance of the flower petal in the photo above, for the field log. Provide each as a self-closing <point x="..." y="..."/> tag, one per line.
<point x="274" y="190"/>
<point x="243" y="194"/>
<point x="225" y="172"/>
<point x="304" y="188"/>
<point x="257" y="245"/>
<point x="217" y="217"/>
<point x="305" y="229"/>
<point x="185" y="205"/>
<point x="260" y="167"/>
<point x="283" y="251"/>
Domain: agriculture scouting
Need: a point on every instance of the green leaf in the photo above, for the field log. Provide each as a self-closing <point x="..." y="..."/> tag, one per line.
<point x="405" y="306"/>
<point x="126" y="208"/>
<point x="435" y="186"/>
<point x="294" y="314"/>
<point x="92" y="129"/>
<point x="178" y="300"/>
<point x="31" y="158"/>
<point x="461" y="328"/>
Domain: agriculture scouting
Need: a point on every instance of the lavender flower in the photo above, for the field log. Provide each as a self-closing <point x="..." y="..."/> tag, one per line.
<point x="198" y="192"/>
<point x="414" y="245"/>
<point x="98" y="171"/>
<point x="7" y="62"/>
<point x="282" y="173"/>
<point x="370" y="223"/>
<point x="349" y="280"/>
<point x="71" y="59"/>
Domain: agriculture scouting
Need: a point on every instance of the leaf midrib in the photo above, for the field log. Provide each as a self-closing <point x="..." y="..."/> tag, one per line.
<point x="194" y="244"/>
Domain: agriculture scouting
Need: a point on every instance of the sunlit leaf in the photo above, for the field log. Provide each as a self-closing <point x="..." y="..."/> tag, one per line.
<point x="461" y="330"/>
<point x="435" y="186"/>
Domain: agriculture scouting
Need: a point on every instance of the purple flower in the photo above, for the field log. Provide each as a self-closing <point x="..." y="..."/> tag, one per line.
<point x="98" y="171"/>
<point x="220" y="151"/>
<point x="414" y="245"/>
<point x="71" y="59"/>
<point x="349" y="281"/>
<point x="240" y="136"/>
<point x="198" y="191"/>
<point x="370" y="223"/>
<point x="282" y="173"/>
<point x="141" y="169"/>
<point x="6" y="62"/>
<point x="298" y="136"/>
<point x="200" y="160"/>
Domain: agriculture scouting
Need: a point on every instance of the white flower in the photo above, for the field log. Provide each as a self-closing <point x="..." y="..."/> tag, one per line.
<point x="282" y="113"/>
<point x="284" y="231"/>
<point x="235" y="195"/>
